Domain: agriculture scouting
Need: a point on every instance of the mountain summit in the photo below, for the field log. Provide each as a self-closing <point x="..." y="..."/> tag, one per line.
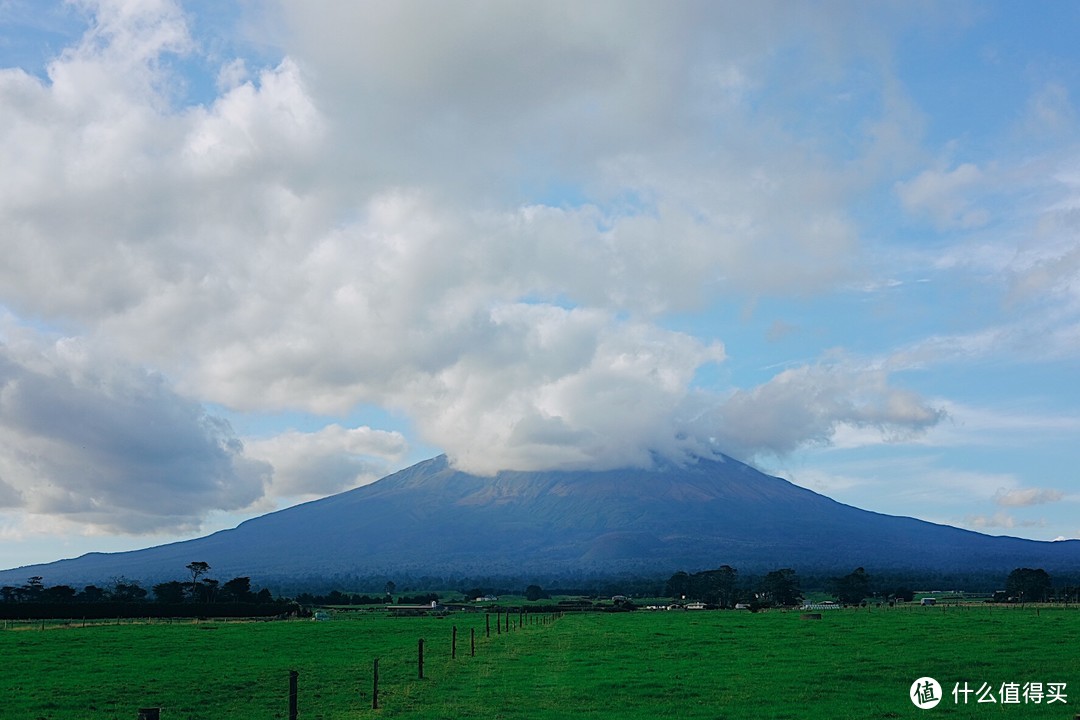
<point x="430" y="519"/>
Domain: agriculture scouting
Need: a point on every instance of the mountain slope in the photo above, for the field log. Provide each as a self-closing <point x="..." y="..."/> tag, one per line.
<point x="430" y="519"/>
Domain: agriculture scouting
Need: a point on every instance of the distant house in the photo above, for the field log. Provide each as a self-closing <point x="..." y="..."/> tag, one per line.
<point x="928" y="601"/>
<point x="321" y="616"/>
<point x="433" y="605"/>
<point x="827" y="605"/>
<point x="695" y="606"/>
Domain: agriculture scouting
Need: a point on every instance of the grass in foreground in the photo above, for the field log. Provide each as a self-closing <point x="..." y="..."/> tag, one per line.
<point x="850" y="664"/>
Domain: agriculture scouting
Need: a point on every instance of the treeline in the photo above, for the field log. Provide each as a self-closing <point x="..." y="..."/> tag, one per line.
<point x="884" y="582"/>
<point x="724" y="588"/>
<point x="1036" y="585"/>
<point x="35" y="591"/>
<point x="200" y="590"/>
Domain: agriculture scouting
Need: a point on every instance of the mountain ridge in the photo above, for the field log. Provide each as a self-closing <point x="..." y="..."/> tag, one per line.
<point x="430" y="519"/>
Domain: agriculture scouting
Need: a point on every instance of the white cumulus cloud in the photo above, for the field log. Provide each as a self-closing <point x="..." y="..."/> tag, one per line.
<point x="481" y="215"/>
<point x="808" y="404"/>
<point x="330" y="460"/>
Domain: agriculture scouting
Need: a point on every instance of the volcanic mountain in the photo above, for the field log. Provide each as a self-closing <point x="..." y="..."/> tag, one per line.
<point x="432" y="520"/>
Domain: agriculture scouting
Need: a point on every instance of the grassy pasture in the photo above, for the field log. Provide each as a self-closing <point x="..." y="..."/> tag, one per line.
<point x="708" y="665"/>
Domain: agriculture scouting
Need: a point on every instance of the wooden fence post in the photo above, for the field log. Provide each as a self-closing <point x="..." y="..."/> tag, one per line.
<point x="487" y="623"/>
<point x="498" y="623"/>
<point x="375" y="686"/>
<point x="292" y="694"/>
<point x="453" y="644"/>
<point x="472" y="642"/>
<point x="420" y="658"/>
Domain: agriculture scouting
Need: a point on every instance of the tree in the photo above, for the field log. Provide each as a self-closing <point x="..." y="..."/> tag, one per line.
<point x="91" y="593"/>
<point x="264" y="596"/>
<point x="534" y="593"/>
<point x="124" y="591"/>
<point x="197" y="570"/>
<point x="169" y="592"/>
<point x="390" y="587"/>
<point x="237" y="590"/>
<point x="716" y="587"/>
<point x="58" y="593"/>
<point x="903" y="592"/>
<point x="781" y="587"/>
<point x="209" y="590"/>
<point x="852" y="588"/>
<point x="1028" y="585"/>
<point x="33" y="588"/>
<point x="678" y="586"/>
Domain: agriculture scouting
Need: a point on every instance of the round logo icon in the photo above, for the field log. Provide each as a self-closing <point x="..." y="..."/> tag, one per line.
<point x="925" y="693"/>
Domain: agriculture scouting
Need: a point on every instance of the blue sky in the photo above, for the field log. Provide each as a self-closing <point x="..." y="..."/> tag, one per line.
<point x="257" y="253"/>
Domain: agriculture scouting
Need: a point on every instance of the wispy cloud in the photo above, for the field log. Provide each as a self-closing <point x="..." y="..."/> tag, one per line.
<point x="945" y="196"/>
<point x="1000" y="520"/>
<point x="1027" y="496"/>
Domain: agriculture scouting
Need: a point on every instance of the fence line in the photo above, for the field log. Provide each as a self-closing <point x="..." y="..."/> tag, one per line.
<point x="503" y="622"/>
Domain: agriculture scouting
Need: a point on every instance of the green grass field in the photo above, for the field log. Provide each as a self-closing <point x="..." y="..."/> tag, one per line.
<point x="708" y="665"/>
